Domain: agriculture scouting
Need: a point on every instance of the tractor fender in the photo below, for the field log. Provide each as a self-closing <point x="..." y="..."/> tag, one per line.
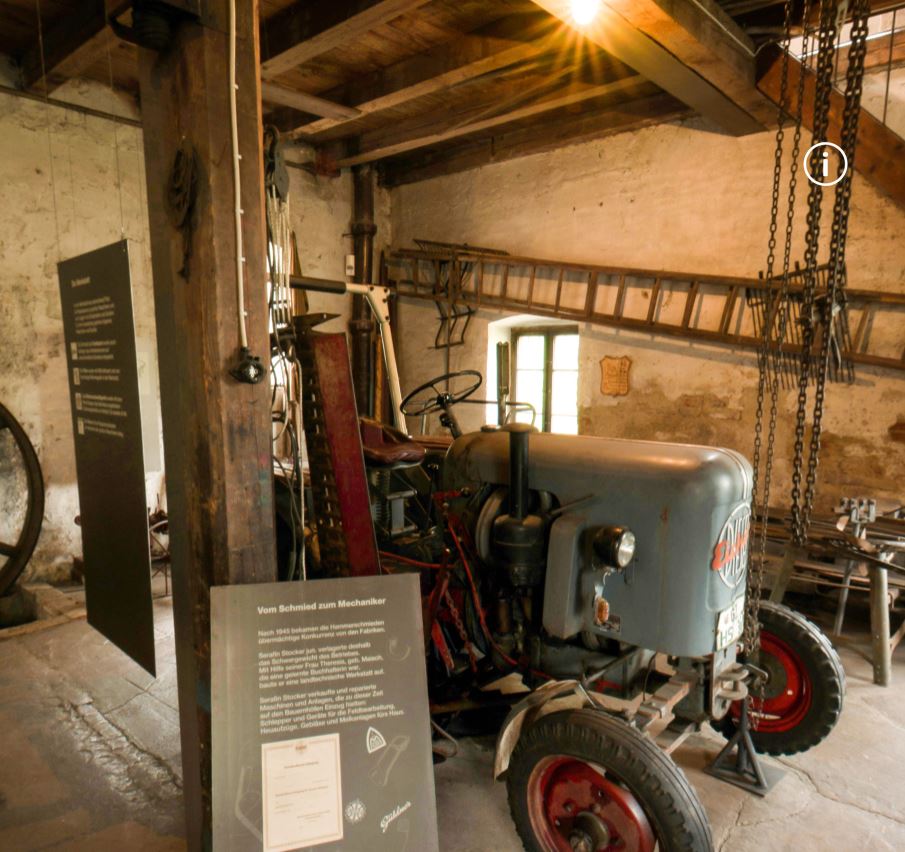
<point x="566" y="693"/>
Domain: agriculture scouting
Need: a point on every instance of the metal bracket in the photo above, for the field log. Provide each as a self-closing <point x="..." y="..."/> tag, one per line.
<point x="656" y="713"/>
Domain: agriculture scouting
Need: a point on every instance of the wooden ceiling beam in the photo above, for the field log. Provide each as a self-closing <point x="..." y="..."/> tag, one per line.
<point x="71" y="45"/>
<point x="400" y="139"/>
<point x="310" y="28"/>
<point x="271" y="93"/>
<point x="706" y="39"/>
<point x="880" y="154"/>
<point x="691" y="50"/>
<point x="546" y="136"/>
<point x="498" y="45"/>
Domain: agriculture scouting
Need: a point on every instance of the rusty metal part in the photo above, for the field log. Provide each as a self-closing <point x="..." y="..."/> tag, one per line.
<point x="601" y="611"/>
<point x="339" y="486"/>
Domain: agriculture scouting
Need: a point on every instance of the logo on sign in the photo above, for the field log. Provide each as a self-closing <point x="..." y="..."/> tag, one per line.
<point x="394" y="814"/>
<point x="356" y="811"/>
<point x="730" y="556"/>
<point x="375" y="740"/>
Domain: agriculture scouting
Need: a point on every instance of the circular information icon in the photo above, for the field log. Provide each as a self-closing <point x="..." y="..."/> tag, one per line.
<point x="824" y="160"/>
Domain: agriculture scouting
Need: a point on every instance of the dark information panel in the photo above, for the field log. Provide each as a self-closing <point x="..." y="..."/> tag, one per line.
<point x="96" y="294"/>
<point x="321" y="728"/>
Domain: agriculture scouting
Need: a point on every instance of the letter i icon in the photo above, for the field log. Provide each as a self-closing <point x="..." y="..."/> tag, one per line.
<point x="826" y="163"/>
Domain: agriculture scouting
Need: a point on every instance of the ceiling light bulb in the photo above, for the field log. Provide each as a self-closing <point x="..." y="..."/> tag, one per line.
<point x="584" y="11"/>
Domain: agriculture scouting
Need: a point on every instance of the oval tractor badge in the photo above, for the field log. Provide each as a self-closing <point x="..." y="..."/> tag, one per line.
<point x="730" y="556"/>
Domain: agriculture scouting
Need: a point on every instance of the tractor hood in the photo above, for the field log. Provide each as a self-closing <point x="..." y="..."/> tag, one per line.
<point x="687" y="505"/>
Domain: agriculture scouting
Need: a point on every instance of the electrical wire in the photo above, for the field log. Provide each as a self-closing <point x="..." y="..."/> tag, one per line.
<point x="429" y="566"/>
<point x="237" y="185"/>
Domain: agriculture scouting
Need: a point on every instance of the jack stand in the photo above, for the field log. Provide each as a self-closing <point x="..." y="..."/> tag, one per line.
<point x="747" y="772"/>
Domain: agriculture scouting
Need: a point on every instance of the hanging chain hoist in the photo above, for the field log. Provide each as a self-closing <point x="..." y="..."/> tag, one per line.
<point x="819" y="306"/>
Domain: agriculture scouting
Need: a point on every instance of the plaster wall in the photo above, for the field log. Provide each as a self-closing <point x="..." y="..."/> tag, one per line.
<point x="321" y="216"/>
<point x="676" y="197"/>
<point x="69" y="183"/>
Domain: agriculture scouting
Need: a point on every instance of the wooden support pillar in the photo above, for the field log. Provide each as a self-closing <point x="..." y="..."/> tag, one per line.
<point x="216" y="429"/>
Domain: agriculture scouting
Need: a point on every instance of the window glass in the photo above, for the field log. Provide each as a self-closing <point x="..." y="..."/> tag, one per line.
<point x="565" y="392"/>
<point x="529" y="387"/>
<point x="564" y="424"/>
<point x="546" y="376"/>
<point x="565" y="352"/>
<point x="530" y="354"/>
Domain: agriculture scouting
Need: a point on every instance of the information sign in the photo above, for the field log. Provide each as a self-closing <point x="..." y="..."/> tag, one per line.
<point x="321" y="728"/>
<point x="99" y="331"/>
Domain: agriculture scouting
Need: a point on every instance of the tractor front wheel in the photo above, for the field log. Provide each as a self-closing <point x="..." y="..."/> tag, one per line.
<point x="802" y="699"/>
<point x="583" y="781"/>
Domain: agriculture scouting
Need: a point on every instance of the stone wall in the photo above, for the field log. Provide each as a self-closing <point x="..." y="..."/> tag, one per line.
<point x="72" y="183"/>
<point x="321" y="215"/>
<point x="69" y="183"/>
<point x="674" y="197"/>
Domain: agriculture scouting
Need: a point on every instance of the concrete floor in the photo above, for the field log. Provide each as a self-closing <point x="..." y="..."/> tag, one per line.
<point x="90" y="762"/>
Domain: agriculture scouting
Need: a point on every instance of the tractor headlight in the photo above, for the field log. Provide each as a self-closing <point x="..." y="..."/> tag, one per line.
<point x="615" y="546"/>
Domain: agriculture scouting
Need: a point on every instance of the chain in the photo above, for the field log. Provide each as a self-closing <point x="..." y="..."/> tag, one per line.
<point x="777" y="307"/>
<point x="823" y="89"/>
<point x="751" y="632"/>
<point x="833" y="302"/>
<point x="460" y="627"/>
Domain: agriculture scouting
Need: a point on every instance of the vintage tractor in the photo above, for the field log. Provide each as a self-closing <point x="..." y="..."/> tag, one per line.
<point x="605" y="579"/>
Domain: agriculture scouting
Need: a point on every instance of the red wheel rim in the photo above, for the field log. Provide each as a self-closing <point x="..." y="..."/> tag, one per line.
<point x="569" y="798"/>
<point x="788" y="694"/>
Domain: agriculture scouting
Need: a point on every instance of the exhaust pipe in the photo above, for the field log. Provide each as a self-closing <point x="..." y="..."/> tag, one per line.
<point x="518" y="537"/>
<point x="518" y="469"/>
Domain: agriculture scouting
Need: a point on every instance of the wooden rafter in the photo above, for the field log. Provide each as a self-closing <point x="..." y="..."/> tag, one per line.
<point x="273" y="94"/>
<point x="400" y="138"/>
<point x="658" y="63"/>
<point x="706" y="39"/>
<point x="70" y="45"/>
<point x="310" y="28"/>
<point x="511" y="143"/>
<point x="506" y="42"/>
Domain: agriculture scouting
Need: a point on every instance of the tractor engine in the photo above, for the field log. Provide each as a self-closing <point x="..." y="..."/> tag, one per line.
<point x="603" y="541"/>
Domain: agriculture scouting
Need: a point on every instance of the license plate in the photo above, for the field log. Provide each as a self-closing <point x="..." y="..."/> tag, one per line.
<point x="730" y="624"/>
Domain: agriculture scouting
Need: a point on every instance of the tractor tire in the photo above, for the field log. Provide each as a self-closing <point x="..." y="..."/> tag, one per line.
<point x="803" y="698"/>
<point x="582" y="779"/>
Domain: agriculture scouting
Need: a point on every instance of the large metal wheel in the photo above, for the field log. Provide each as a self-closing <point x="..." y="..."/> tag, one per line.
<point x="583" y="781"/>
<point x="21" y="500"/>
<point x="803" y="695"/>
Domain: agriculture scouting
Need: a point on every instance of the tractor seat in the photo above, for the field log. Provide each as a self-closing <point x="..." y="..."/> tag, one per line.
<point x="387" y="447"/>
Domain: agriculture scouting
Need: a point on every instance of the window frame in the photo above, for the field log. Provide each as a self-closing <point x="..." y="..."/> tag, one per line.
<point x="548" y="332"/>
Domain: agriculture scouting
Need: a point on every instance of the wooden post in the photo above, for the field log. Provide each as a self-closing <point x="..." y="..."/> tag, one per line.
<point x="216" y="430"/>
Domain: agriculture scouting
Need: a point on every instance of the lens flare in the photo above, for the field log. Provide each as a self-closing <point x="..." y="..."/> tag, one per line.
<point x="584" y="11"/>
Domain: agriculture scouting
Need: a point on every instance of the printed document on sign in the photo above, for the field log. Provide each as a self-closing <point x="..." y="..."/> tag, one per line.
<point x="302" y="792"/>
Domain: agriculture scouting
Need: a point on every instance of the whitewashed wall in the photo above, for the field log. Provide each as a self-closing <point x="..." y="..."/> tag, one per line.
<point x="69" y="183"/>
<point x="321" y="215"/>
<point x="673" y="197"/>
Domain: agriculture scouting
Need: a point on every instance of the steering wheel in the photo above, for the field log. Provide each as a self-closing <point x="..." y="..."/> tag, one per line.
<point x="439" y="400"/>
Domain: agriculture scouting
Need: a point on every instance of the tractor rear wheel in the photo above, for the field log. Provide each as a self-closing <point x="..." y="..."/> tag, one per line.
<point x="584" y="781"/>
<point x="803" y="696"/>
